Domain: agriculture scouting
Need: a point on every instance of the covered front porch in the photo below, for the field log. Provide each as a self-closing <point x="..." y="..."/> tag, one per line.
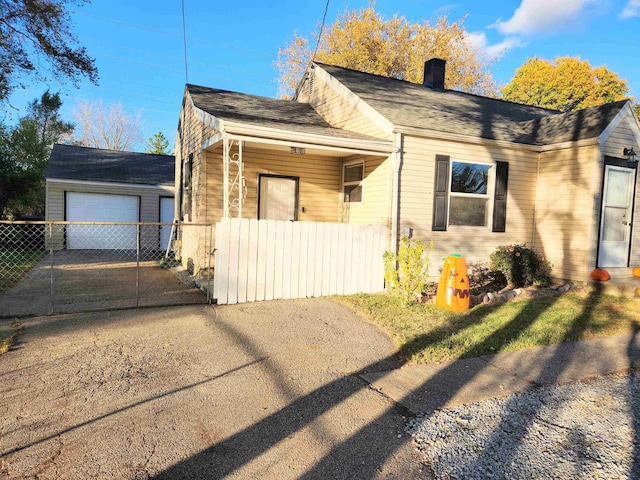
<point x="329" y="180"/>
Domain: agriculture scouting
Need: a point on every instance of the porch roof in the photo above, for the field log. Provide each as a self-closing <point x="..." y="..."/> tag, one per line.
<point x="264" y="112"/>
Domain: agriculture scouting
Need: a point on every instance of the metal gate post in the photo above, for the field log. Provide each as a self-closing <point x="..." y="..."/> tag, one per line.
<point x="210" y="252"/>
<point x="137" y="264"/>
<point x="51" y="269"/>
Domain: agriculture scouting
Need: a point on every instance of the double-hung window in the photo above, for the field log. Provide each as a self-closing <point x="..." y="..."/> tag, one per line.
<point x="467" y="193"/>
<point x="352" y="182"/>
<point x="470" y="193"/>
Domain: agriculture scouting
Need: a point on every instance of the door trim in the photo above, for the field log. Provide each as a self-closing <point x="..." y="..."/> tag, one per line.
<point x="616" y="162"/>
<point x="289" y="177"/>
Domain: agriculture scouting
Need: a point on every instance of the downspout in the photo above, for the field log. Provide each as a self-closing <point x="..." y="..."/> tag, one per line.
<point x="395" y="192"/>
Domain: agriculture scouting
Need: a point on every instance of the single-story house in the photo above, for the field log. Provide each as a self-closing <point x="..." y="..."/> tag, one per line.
<point x="96" y="185"/>
<point x="469" y="172"/>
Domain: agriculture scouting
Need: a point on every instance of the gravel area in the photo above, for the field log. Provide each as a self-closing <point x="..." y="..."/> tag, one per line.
<point x="580" y="430"/>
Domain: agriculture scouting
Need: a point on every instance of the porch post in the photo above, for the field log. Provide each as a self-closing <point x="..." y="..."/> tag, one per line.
<point x="225" y="176"/>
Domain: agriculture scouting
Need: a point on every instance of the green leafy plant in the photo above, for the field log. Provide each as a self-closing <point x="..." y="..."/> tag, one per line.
<point x="406" y="272"/>
<point x="520" y="266"/>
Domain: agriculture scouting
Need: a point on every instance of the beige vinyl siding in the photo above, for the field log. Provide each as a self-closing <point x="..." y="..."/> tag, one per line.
<point x="476" y="244"/>
<point x="622" y="137"/>
<point x="319" y="182"/>
<point x="376" y="193"/>
<point x="193" y="245"/>
<point x="191" y="133"/>
<point x="149" y="199"/>
<point x="337" y="111"/>
<point x="567" y="210"/>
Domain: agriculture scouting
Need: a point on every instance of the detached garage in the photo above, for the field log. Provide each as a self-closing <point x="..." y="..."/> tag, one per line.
<point x="94" y="185"/>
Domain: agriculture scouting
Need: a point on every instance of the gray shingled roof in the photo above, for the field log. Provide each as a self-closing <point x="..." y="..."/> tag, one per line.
<point x="572" y="126"/>
<point x="70" y="162"/>
<point x="265" y="112"/>
<point x="413" y="105"/>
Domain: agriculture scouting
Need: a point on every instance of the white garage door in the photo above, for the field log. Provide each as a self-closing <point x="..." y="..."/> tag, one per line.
<point x="166" y="216"/>
<point x="100" y="207"/>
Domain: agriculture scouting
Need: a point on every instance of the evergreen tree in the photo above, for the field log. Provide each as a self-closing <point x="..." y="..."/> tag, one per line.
<point x="157" y="144"/>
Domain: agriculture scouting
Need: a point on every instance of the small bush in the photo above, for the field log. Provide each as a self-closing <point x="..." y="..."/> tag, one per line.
<point x="520" y="266"/>
<point x="409" y="278"/>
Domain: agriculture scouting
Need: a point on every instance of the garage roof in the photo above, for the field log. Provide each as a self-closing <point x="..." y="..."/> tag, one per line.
<point x="71" y="162"/>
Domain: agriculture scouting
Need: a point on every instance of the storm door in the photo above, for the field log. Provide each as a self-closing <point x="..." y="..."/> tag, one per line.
<point x="278" y="198"/>
<point x="615" y="223"/>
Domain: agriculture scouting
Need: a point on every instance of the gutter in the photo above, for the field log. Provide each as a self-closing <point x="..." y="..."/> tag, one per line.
<point x="395" y="192"/>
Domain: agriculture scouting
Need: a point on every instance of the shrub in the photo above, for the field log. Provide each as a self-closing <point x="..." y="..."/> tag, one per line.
<point x="520" y="266"/>
<point x="408" y="279"/>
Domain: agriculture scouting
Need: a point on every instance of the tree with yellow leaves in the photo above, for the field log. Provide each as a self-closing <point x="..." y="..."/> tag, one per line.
<point x="364" y="40"/>
<point x="566" y="84"/>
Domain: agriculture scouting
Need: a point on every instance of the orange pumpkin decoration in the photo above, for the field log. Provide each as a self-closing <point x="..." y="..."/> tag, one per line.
<point x="636" y="272"/>
<point x="453" y="289"/>
<point x="600" y="275"/>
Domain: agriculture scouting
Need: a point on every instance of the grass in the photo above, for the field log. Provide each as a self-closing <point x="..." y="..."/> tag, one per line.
<point x="424" y="333"/>
<point x="8" y="334"/>
<point x="14" y="264"/>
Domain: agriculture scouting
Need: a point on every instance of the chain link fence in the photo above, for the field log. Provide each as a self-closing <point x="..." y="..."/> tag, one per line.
<point x="64" y="267"/>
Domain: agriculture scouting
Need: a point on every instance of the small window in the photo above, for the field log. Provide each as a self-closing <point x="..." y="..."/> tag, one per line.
<point x="188" y="167"/>
<point x="352" y="180"/>
<point x="470" y="194"/>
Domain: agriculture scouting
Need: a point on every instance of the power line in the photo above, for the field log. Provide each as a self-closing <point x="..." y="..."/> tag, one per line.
<point x="184" y="40"/>
<point x="164" y="32"/>
<point x="324" y="17"/>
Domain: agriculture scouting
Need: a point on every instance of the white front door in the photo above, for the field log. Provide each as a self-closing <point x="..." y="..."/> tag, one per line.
<point x="278" y="198"/>
<point x="615" y="224"/>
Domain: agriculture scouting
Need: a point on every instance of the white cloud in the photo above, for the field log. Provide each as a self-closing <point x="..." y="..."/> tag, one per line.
<point x="480" y="41"/>
<point x="631" y="10"/>
<point x="445" y="9"/>
<point x="497" y="50"/>
<point x="544" y="16"/>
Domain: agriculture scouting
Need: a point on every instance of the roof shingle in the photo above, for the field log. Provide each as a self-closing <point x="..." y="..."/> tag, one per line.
<point x="71" y="162"/>
<point x="266" y="112"/>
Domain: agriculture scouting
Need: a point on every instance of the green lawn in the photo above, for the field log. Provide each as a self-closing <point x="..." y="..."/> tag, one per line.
<point x="14" y="264"/>
<point x="424" y="333"/>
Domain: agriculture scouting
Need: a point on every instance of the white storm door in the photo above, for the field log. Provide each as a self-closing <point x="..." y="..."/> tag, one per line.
<point x="278" y="198"/>
<point x="615" y="224"/>
<point x="166" y="216"/>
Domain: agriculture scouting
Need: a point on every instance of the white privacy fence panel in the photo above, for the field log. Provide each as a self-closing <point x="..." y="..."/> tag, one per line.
<point x="259" y="260"/>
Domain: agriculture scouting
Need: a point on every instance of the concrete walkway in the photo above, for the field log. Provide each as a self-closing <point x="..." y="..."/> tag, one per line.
<point x="424" y="388"/>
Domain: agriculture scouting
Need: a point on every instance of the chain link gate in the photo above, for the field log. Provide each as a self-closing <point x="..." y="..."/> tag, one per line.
<point x="64" y="267"/>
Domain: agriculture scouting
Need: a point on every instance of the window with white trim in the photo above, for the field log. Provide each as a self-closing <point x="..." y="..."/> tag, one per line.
<point x="352" y="182"/>
<point x="471" y="187"/>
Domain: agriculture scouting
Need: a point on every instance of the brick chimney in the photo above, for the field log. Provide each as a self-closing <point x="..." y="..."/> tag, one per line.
<point x="434" y="71"/>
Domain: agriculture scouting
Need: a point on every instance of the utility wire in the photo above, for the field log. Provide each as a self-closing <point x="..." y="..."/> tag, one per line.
<point x="184" y="39"/>
<point x="324" y="17"/>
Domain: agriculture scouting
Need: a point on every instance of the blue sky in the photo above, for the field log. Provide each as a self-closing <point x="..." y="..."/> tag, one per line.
<point x="138" y="45"/>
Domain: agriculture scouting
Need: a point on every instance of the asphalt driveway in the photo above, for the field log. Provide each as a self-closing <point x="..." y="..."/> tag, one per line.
<point x="263" y="390"/>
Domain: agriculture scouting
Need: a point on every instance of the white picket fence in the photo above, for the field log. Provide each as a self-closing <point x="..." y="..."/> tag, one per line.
<point x="259" y="260"/>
